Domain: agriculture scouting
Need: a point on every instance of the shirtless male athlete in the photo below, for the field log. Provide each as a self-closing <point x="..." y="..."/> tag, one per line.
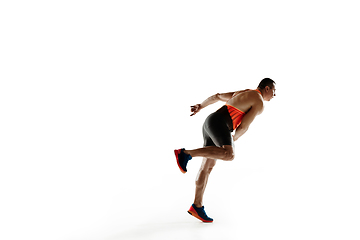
<point x="237" y="114"/>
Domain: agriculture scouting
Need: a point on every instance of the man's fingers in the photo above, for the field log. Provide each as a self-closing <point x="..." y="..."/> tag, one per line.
<point x="194" y="112"/>
<point x="195" y="109"/>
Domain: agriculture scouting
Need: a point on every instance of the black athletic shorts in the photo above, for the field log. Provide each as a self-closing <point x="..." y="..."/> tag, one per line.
<point x="217" y="128"/>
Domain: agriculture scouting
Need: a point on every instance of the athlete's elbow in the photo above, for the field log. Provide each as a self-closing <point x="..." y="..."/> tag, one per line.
<point x="216" y="96"/>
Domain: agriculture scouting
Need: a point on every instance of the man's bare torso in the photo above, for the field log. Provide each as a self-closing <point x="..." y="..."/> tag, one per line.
<point x="244" y="101"/>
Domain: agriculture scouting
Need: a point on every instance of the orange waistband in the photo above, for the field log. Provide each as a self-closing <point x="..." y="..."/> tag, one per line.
<point x="236" y="115"/>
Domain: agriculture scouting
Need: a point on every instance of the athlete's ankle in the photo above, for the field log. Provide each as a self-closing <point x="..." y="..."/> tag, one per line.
<point x="198" y="205"/>
<point x="187" y="152"/>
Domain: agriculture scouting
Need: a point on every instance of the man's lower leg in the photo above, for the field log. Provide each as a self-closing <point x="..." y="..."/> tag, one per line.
<point x="201" y="180"/>
<point x="199" y="193"/>
<point x="223" y="153"/>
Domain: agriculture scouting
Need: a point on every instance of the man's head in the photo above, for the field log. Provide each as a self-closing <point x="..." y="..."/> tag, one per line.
<point x="267" y="88"/>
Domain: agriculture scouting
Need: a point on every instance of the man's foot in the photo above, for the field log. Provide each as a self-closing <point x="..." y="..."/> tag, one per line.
<point x="199" y="213"/>
<point x="182" y="159"/>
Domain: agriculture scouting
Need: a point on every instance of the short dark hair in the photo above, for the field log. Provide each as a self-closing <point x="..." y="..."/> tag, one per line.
<point x="266" y="82"/>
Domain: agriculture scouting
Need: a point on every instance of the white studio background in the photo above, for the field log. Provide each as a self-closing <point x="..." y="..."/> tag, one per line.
<point x="96" y="95"/>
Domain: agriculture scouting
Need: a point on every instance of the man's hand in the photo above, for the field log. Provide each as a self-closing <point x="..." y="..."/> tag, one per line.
<point x="236" y="136"/>
<point x="195" y="109"/>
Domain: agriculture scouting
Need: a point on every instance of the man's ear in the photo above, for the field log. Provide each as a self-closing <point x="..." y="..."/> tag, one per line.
<point x="267" y="88"/>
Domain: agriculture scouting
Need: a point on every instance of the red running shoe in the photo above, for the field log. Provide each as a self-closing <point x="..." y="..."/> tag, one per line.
<point x="199" y="213"/>
<point x="182" y="159"/>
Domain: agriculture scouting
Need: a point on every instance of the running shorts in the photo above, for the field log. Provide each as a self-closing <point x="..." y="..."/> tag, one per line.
<point x="217" y="128"/>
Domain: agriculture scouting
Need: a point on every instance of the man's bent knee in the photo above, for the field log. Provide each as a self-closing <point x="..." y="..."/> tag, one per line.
<point x="229" y="154"/>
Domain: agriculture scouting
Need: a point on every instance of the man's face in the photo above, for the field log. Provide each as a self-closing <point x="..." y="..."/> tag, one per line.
<point x="269" y="93"/>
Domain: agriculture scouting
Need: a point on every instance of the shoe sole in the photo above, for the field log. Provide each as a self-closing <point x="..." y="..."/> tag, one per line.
<point x="194" y="214"/>
<point x="177" y="152"/>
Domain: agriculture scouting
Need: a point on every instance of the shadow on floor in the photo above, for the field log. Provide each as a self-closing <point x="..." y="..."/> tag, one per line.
<point x="164" y="230"/>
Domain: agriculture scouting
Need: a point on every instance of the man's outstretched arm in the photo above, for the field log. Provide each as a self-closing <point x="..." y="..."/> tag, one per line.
<point x="213" y="99"/>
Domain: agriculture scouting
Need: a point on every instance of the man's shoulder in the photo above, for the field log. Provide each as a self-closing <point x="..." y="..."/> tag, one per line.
<point x="255" y="96"/>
